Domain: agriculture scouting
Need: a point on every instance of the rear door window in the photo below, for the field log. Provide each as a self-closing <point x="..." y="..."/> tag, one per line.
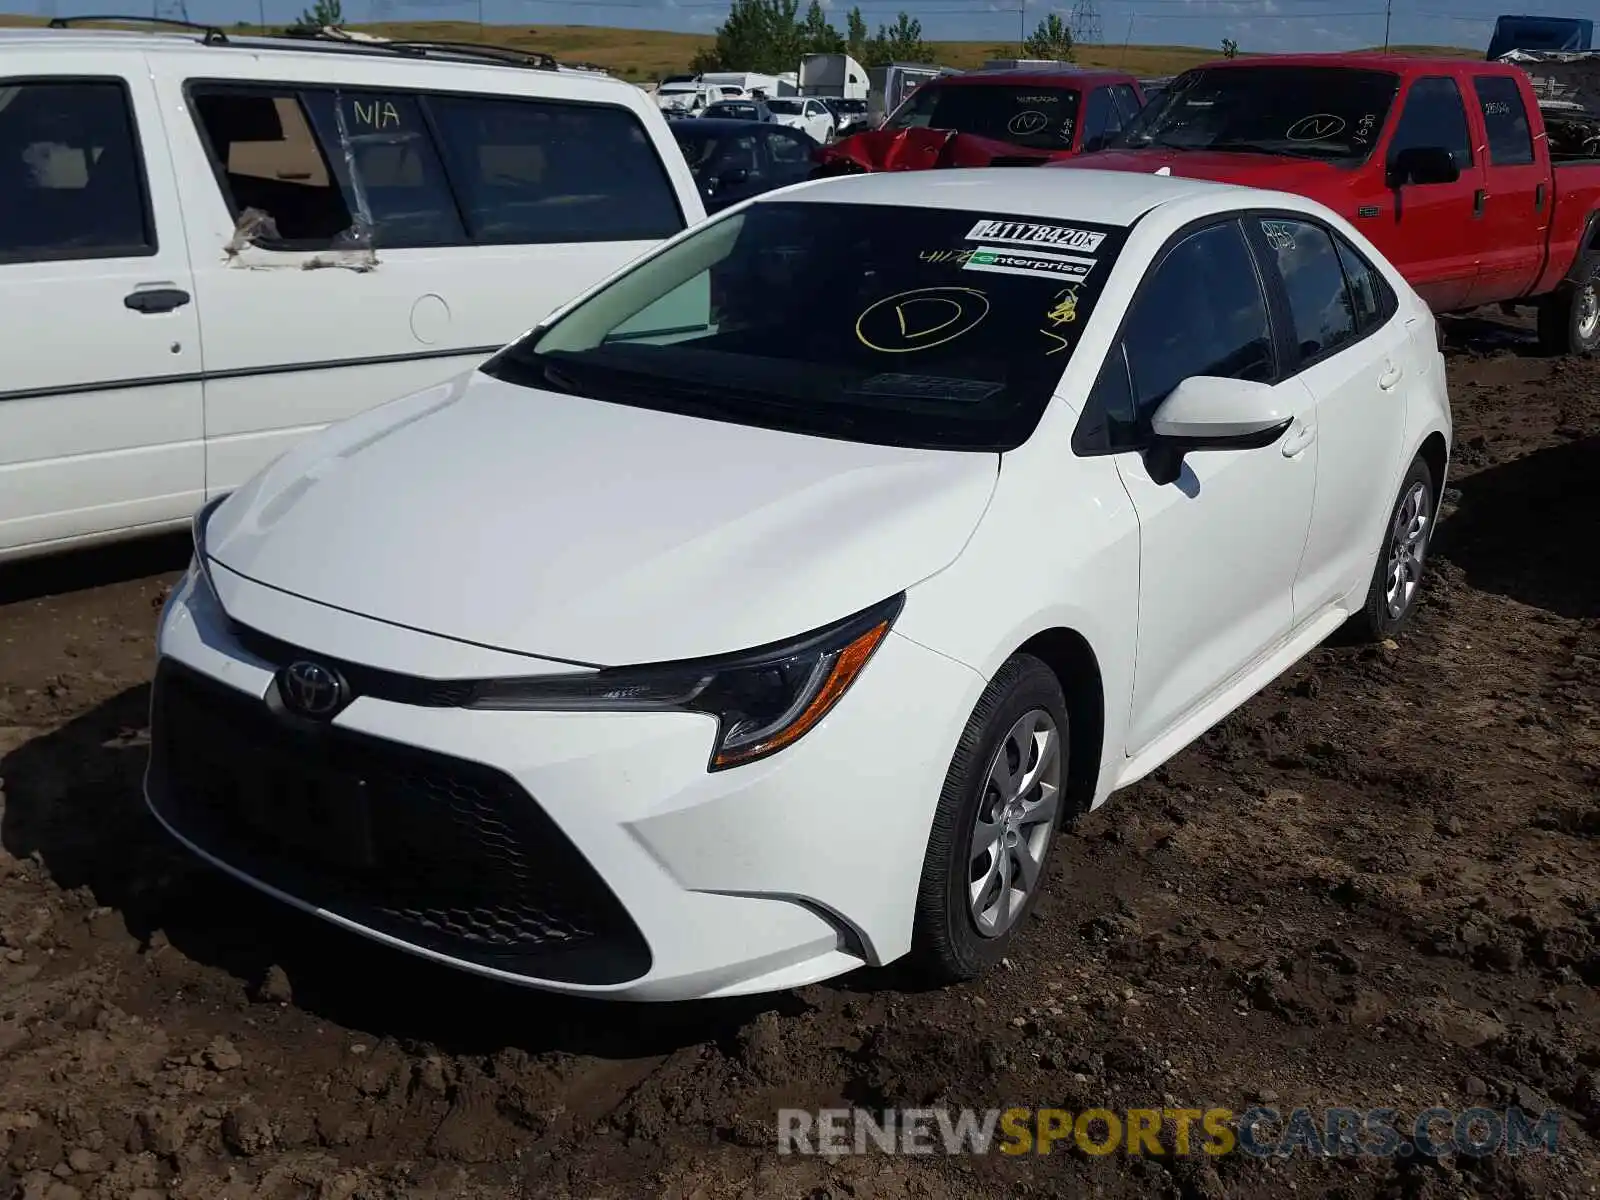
<point x="403" y="184"/>
<point x="1320" y="306"/>
<point x="72" y="182"/>
<point x="538" y="171"/>
<point x="1506" y="120"/>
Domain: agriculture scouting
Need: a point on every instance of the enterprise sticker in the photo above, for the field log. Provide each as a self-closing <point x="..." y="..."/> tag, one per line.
<point x="1005" y="261"/>
<point x="1024" y="233"/>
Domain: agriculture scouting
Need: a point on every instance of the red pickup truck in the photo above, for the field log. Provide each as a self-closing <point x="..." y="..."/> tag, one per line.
<point x="1016" y="115"/>
<point x="1447" y="166"/>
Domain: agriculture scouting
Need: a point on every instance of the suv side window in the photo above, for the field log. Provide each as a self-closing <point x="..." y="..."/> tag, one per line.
<point x="268" y="158"/>
<point x="402" y="179"/>
<point x="1434" y="116"/>
<point x="1506" y="119"/>
<point x="72" y="182"/>
<point x="1320" y="307"/>
<point x="1201" y="311"/>
<point x="528" y="171"/>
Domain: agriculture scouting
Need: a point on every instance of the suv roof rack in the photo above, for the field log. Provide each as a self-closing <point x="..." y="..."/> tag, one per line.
<point x="213" y="35"/>
<point x="508" y="55"/>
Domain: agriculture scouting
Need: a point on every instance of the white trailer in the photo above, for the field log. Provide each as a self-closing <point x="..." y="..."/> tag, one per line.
<point x="833" y="76"/>
<point x="748" y="82"/>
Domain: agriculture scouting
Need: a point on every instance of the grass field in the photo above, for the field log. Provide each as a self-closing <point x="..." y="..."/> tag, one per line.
<point x="643" y="54"/>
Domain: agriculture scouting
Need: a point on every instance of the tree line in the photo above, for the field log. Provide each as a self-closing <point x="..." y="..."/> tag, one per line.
<point x="771" y="36"/>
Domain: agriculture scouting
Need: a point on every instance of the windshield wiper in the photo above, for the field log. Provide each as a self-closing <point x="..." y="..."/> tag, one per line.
<point x="1277" y="150"/>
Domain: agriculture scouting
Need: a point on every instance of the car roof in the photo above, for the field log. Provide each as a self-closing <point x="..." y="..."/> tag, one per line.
<point x="287" y="49"/>
<point x="1061" y="76"/>
<point x="1396" y="64"/>
<point x="1116" y="198"/>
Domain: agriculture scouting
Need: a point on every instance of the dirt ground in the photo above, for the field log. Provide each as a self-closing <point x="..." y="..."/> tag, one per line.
<point x="1377" y="884"/>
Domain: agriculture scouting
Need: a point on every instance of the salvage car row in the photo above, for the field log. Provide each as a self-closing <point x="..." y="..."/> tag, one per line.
<point x="659" y="655"/>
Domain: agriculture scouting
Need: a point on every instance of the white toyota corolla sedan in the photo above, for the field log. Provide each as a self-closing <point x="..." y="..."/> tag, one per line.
<point x="767" y="610"/>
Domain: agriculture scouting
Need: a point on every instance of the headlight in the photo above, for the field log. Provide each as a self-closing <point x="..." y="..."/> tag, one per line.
<point x="763" y="699"/>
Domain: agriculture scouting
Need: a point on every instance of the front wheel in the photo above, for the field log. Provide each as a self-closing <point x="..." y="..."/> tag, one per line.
<point x="995" y="824"/>
<point x="1397" y="577"/>
<point x="1569" y="317"/>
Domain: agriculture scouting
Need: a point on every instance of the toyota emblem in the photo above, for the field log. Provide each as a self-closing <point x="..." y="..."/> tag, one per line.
<point x="312" y="689"/>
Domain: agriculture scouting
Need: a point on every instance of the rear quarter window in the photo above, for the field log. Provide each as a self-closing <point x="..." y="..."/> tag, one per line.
<point x="542" y="171"/>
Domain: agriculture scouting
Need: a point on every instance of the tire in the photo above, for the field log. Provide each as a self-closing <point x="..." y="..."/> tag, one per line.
<point x="1569" y="317"/>
<point x="1392" y="597"/>
<point x="948" y="942"/>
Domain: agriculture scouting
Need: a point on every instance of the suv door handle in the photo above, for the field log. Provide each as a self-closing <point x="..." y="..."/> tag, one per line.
<point x="1478" y="197"/>
<point x="156" y="300"/>
<point x="1391" y="376"/>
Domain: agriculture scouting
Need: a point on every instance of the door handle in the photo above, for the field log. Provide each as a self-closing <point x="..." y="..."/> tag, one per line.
<point x="1301" y="435"/>
<point x="156" y="300"/>
<point x="1391" y="376"/>
<point x="1538" y="198"/>
<point x="1478" y="197"/>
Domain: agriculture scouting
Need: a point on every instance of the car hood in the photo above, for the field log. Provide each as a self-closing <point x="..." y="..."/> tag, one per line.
<point x="1299" y="175"/>
<point x="597" y="533"/>
<point x="921" y="148"/>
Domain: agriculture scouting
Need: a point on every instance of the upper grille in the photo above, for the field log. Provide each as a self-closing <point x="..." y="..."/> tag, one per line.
<point x="442" y="853"/>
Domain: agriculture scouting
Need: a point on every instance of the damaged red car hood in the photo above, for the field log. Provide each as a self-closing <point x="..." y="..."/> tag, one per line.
<point x="922" y="149"/>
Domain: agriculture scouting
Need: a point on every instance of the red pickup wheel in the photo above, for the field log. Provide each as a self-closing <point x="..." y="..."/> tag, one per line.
<point x="1569" y="317"/>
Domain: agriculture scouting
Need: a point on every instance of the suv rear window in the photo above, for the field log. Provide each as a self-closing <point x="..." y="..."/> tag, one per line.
<point x="1304" y="112"/>
<point x="899" y="326"/>
<point x="1033" y="115"/>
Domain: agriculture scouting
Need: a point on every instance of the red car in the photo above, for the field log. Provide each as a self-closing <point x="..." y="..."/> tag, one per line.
<point x="981" y="118"/>
<point x="1450" y="167"/>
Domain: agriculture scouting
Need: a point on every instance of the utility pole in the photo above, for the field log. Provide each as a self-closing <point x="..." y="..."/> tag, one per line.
<point x="1126" y="38"/>
<point x="1388" y="8"/>
<point x="1022" y="28"/>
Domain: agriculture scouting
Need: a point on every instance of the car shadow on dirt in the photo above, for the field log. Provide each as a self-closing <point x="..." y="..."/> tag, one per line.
<point x="1526" y="529"/>
<point x="73" y="803"/>
<point x="96" y="567"/>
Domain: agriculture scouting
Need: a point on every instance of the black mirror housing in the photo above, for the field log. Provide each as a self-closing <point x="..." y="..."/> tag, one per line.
<point x="1422" y="165"/>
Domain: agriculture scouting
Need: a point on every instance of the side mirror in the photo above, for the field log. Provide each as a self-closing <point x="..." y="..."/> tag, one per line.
<point x="1205" y="412"/>
<point x="1422" y="164"/>
<point x="1097" y="142"/>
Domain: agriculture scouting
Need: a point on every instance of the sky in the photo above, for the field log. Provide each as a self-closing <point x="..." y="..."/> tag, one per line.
<point x="1257" y="25"/>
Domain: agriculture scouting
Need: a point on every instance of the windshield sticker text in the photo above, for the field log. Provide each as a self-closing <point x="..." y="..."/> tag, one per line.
<point x="955" y="257"/>
<point x="1496" y="108"/>
<point x="1066" y="130"/>
<point x="376" y="114"/>
<point x="1026" y="233"/>
<point x="920" y="319"/>
<point x="1363" y="133"/>
<point x="1029" y="262"/>
<point x="1064" y="308"/>
<point x="1058" y="343"/>
<point x="1315" y="128"/>
<point x="1028" y="121"/>
<point x="1280" y="234"/>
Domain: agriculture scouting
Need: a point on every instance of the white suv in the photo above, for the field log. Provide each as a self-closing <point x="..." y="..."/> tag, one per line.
<point x="214" y="245"/>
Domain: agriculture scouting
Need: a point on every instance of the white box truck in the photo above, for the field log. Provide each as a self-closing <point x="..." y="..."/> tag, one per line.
<point x="833" y="77"/>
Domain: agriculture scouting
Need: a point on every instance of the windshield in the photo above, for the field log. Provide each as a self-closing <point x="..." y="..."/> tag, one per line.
<point x="788" y="108"/>
<point x="893" y="325"/>
<point x="1038" y="117"/>
<point x="1305" y="112"/>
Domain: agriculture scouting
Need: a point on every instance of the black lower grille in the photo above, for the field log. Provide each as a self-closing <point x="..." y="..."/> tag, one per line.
<point x="445" y="854"/>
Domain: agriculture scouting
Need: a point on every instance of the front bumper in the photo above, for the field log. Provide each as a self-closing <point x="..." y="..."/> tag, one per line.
<point x="587" y="853"/>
